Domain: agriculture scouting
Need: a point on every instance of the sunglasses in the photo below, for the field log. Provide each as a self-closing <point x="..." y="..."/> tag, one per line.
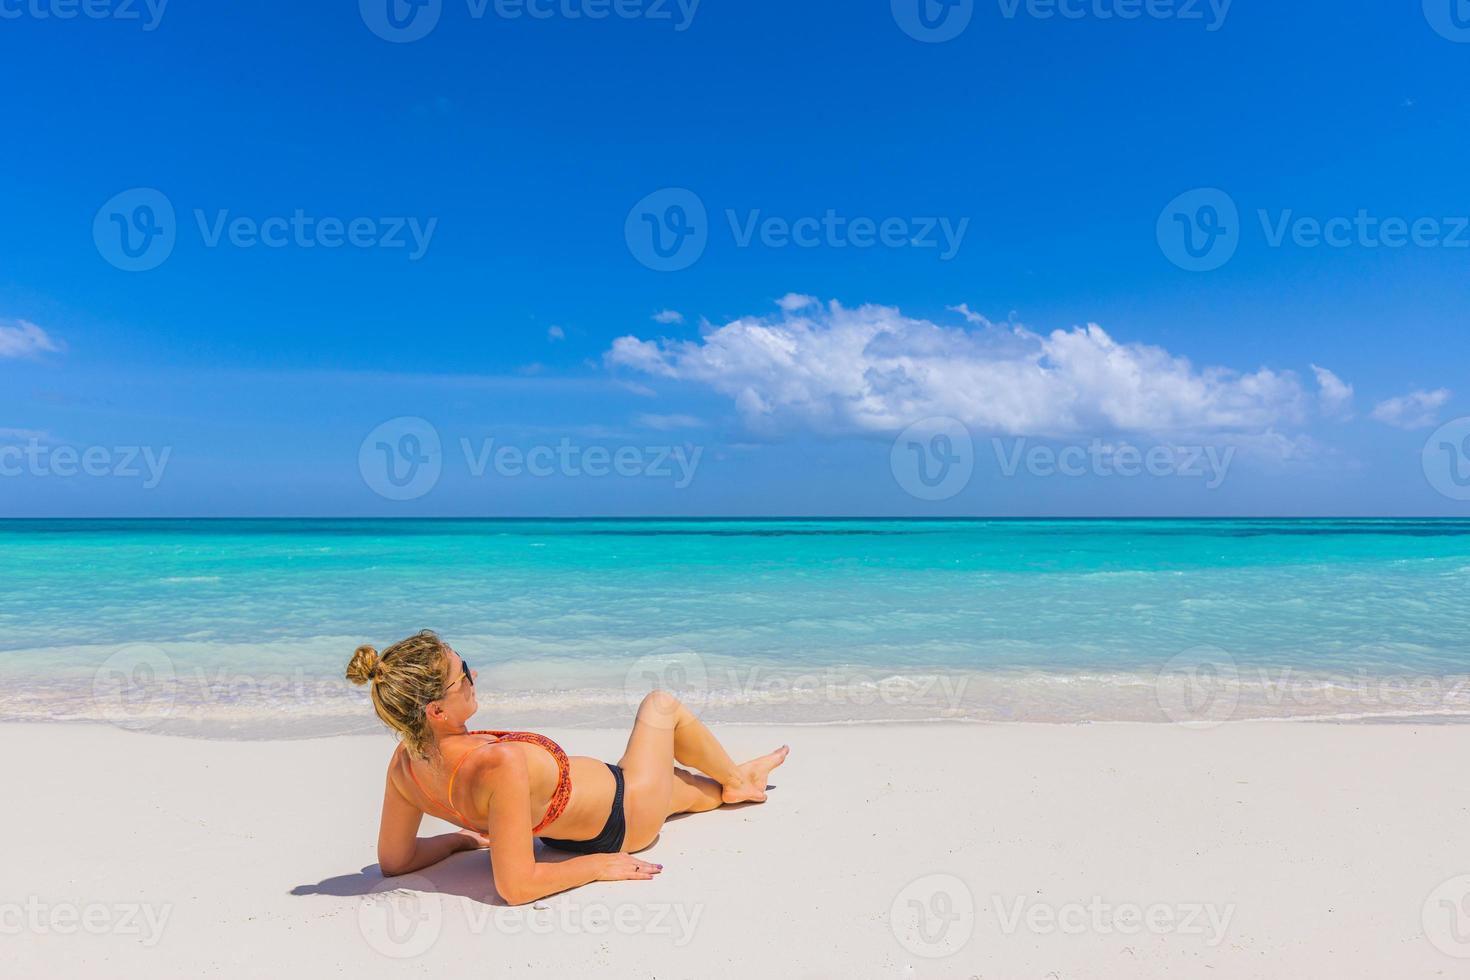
<point x="464" y="666"/>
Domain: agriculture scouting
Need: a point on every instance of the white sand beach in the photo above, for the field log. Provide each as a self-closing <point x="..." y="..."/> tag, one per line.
<point x="1012" y="850"/>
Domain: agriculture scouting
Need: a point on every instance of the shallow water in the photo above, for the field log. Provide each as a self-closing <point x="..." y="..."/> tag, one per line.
<point x="242" y="628"/>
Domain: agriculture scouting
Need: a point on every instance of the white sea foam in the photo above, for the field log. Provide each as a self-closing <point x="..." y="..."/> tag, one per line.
<point x="240" y="691"/>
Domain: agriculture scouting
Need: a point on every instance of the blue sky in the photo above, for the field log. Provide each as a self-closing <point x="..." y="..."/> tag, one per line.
<point x="1029" y="173"/>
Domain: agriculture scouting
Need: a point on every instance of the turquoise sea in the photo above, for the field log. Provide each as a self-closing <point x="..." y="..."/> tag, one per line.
<point x="242" y="628"/>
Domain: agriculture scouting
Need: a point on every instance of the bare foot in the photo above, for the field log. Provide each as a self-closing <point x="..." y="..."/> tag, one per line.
<point x="752" y="785"/>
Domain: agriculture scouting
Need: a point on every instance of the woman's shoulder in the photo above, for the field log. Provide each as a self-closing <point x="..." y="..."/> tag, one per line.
<point x="398" y="762"/>
<point x="498" y="758"/>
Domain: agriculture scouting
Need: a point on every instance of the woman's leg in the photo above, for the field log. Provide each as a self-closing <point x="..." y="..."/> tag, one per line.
<point x="666" y="732"/>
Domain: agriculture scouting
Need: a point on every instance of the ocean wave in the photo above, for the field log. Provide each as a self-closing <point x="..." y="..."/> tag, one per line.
<point x="144" y="693"/>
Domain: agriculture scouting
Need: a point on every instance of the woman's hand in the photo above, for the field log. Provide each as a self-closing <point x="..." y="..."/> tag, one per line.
<point x="625" y="867"/>
<point x="471" y="841"/>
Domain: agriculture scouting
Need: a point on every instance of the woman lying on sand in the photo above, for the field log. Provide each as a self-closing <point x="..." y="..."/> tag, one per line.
<point x="504" y="788"/>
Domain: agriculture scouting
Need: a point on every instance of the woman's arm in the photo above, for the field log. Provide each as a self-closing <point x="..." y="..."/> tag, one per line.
<point x="401" y="850"/>
<point x="519" y="877"/>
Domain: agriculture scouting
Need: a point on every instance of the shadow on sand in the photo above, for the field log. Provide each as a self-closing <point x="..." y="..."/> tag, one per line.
<point x="466" y="874"/>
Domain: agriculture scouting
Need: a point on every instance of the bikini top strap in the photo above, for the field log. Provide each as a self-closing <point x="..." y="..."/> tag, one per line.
<point x="460" y="765"/>
<point x="427" y="795"/>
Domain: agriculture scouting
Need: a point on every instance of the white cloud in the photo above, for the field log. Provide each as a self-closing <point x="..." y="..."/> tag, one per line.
<point x="666" y="422"/>
<point x="555" y="333"/>
<point x="668" y="316"/>
<point x="1416" y="410"/>
<point x="24" y="339"/>
<point x="792" y="302"/>
<point x="1333" y="394"/>
<point x="642" y="391"/>
<point x="23" y="435"/>
<point x="872" y="369"/>
<point x="970" y="315"/>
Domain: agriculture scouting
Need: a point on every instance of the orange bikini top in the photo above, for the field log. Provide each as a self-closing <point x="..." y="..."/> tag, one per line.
<point x="559" y="796"/>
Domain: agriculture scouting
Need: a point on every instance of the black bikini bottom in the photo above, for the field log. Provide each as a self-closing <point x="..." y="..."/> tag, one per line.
<point x="610" y="841"/>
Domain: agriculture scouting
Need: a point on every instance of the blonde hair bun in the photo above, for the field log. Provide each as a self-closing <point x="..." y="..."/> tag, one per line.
<point x="410" y="675"/>
<point x="363" y="666"/>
